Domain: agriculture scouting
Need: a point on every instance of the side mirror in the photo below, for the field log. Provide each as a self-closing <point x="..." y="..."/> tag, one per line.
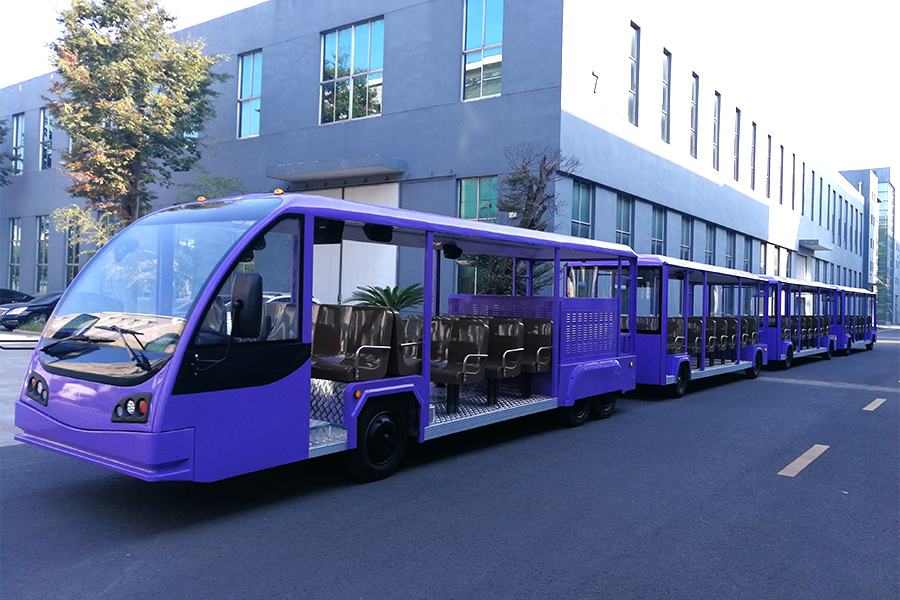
<point x="246" y="305"/>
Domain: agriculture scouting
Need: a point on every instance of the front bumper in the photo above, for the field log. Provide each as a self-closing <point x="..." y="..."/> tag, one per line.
<point x="165" y="456"/>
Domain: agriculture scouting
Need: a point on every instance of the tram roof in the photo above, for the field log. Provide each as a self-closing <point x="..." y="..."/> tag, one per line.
<point x="721" y="274"/>
<point x="478" y="237"/>
<point x="802" y="283"/>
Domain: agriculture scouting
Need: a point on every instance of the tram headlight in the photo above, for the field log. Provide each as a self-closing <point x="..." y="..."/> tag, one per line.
<point x="37" y="389"/>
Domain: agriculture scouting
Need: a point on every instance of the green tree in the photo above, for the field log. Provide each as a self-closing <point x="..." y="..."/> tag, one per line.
<point x="5" y="170"/>
<point x="527" y="199"/>
<point x="133" y="100"/>
<point x="92" y="229"/>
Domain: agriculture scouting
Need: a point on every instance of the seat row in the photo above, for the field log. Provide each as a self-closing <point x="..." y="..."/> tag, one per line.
<point x="358" y="343"/>
<point x="721" y="335"/>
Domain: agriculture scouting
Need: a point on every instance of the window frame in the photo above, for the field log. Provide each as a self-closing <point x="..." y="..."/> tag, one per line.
<point x="15" y="253"/>
<point x="665" y="129"/>
<point x="481" y="49"/>
<point x="658" y="231"/>
<point x="687" y="226"/>
<point x="46" y="141"/>
<point x="249" y="100"/>
<point x="350" y="78"/>
<point x="17" y="153"/>
<point x="42" y="252"/>
<point x="624" y="236"/>
<point x="695" y="113"/>
<point x="717" y="118"/>
<point x="579" y="226"/>
<point x="634" y="84"/>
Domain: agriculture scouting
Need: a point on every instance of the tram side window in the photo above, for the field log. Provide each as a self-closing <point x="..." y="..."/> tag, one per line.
<point x="649" y="291"/>
<point x="274" y="257"/>
<point x="676" y="297"/>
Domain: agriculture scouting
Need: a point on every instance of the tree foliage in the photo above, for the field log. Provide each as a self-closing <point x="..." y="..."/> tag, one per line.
<point x="397" y="297"/>
<point x="133" y="100"/>
<point x="5" y="169"/>
<point x="526" y="199"/>
<point x="210" y="187"/>
<point x="90" y="231"/>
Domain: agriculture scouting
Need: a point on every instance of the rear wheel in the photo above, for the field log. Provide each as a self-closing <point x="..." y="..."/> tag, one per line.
<point x="753" y="372"/>
<point x="679" y="388"/>
<point x="380" y="442"/>
<point x="829" y="352"/>
<point x="575" y="415"/>
<point x="870" y="346"/>
<point x="602" y="407"/>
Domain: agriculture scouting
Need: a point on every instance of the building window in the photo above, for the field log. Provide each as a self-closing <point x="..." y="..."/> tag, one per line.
<point x="46" y="140"/>
<point x="624" y="213"/>
<point x="15" y="252"/>
<point x="748" y="254"/>
<point x="769" y="169"/>
<point x="717" y="116"/>
<point x="793" y="181"/>
<point x="730" y="247"/>
<point x="753" y="156"/>
<point x="582" y="209"/>
<point x="43" y="252"/>
<point x="478" y="198"/>
<point x="249" y="91"/>
<point x="781" y="177"/>
<point x="634" y="62"/>
<point x="687" y="237"/>
<point x="776" y="256"/>
<point x="737" y="143"/>
<point x="483" y="52"/>
<point x="762" y="258"/>
<point x="788" y="266"/>
<point x="73" y="250"/>
<point x="17" y="157"/>
<point x="802" y="188"/>
<point x="658" y="231"/>
<point x="710" y="254"/>
<point x="695" y="107"/>
<point x="666" y="95"/>
<point x="352" y="71"/>
<point x="821" y="187"/>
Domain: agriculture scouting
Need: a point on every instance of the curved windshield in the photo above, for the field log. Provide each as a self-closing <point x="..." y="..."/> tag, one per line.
<point x="135" y="295"/>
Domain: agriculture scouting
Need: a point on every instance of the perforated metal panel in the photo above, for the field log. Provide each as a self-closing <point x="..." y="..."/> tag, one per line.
<point x="502" y="306"/>
<point x="589" y="329"/>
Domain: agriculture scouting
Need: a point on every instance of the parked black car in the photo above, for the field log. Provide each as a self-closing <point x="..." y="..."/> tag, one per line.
<point x="35" y="311"/>
<point x="7" y="296"/>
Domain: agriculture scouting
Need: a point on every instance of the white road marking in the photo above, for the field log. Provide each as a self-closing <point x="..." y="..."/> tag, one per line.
<point x="875" y="404"/>
<point x="805" y="459"/>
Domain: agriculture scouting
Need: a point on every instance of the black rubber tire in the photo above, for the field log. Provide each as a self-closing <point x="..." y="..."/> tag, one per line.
<point x="830" y="352"/>
<point x="753" y="372"/>
<point x="788" y="358"/>
<point x="870" y="346"/>
<point x="36" y="319"/>
<point x="8" y="327"/>
<point x="381" y="439"/>
<point x="602" y="406"/>
<point x="680" y="387"/>
<point x="575" y="415"/>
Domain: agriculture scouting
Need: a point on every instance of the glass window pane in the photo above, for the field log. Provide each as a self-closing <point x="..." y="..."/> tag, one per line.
<point x="246" y="75"/>
<point x="474" y="29"/>
<point x="328" y="103"/>
<point x="244" y="119"/>
<point x="342" y="100"/>
<point x="360" y="95"/>
<point x="491" y="76"/>
<point x="374" y="98"/>
<point x="257" y="73"/>
<point x="493" y="22"/>
<point x="376" y="62"/>
<point x="254" y="116"/>
<point x="328" y="59"/>
<point x="585" y="205"/>
<point x="468" y="193"/>
<point x="343" y="52"/>
<point x="472" y="87"/>
<point x="361" y="48"/>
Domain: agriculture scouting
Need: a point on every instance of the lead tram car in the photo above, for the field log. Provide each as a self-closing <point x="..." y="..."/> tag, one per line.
<point x="191" y="348"/>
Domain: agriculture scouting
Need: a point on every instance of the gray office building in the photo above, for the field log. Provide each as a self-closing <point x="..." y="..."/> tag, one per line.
<point x="415" y="104"/>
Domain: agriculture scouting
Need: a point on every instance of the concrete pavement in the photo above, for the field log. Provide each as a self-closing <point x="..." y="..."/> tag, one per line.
<point x="15" y="353"/>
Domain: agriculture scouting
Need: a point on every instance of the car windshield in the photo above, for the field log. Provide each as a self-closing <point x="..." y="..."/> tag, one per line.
<point x="148" y="278"/>
<point x="44" y="298"/>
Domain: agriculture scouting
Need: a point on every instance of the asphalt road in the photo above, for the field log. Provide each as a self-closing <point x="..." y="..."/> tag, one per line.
<point x="667" y="499"/>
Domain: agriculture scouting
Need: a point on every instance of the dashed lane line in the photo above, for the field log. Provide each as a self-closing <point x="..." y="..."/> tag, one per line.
<point x="875" y="404"/>
<point x="803" y="461"/>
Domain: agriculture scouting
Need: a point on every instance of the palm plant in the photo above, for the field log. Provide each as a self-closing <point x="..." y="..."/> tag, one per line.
<point x="396" y="297"/>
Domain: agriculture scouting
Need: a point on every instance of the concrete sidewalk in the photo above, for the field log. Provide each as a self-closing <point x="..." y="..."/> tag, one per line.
<point x="18" y="339"/>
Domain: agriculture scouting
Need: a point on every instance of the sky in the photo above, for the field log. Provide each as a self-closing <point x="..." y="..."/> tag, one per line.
<point x="825" y="74"/>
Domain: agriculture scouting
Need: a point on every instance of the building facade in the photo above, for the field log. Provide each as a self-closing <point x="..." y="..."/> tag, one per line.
<point x="415" y="104"/>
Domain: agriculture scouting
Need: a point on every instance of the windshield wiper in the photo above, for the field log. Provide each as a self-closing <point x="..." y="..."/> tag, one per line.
<point x="79" y="336"/>
<point x="139" y="359"/>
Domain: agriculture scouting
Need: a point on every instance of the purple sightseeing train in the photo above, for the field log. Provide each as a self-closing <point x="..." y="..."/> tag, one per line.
<point x="207" y="340"/>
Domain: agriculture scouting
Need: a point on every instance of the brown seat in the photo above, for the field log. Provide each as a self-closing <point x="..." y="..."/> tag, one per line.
<point x="504" y="353"/>
<point x="351" y="343"/>
<point x="406" y="346"/>
<point x="279" y="321"/>
<point x="675" y="335"/>
<point x="458" y="350"/>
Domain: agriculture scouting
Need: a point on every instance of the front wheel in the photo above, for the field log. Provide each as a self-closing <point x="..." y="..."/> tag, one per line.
<point x="753" y="372"/>
<point x="870" y="346"/>
<point x="828" y="354"/>
<point x="679" y="388"/>
<point x="788" y="358"/>
<point x="602" y="407"/>
<point x="575" y="415"/>
<point x="380" y="442"/>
